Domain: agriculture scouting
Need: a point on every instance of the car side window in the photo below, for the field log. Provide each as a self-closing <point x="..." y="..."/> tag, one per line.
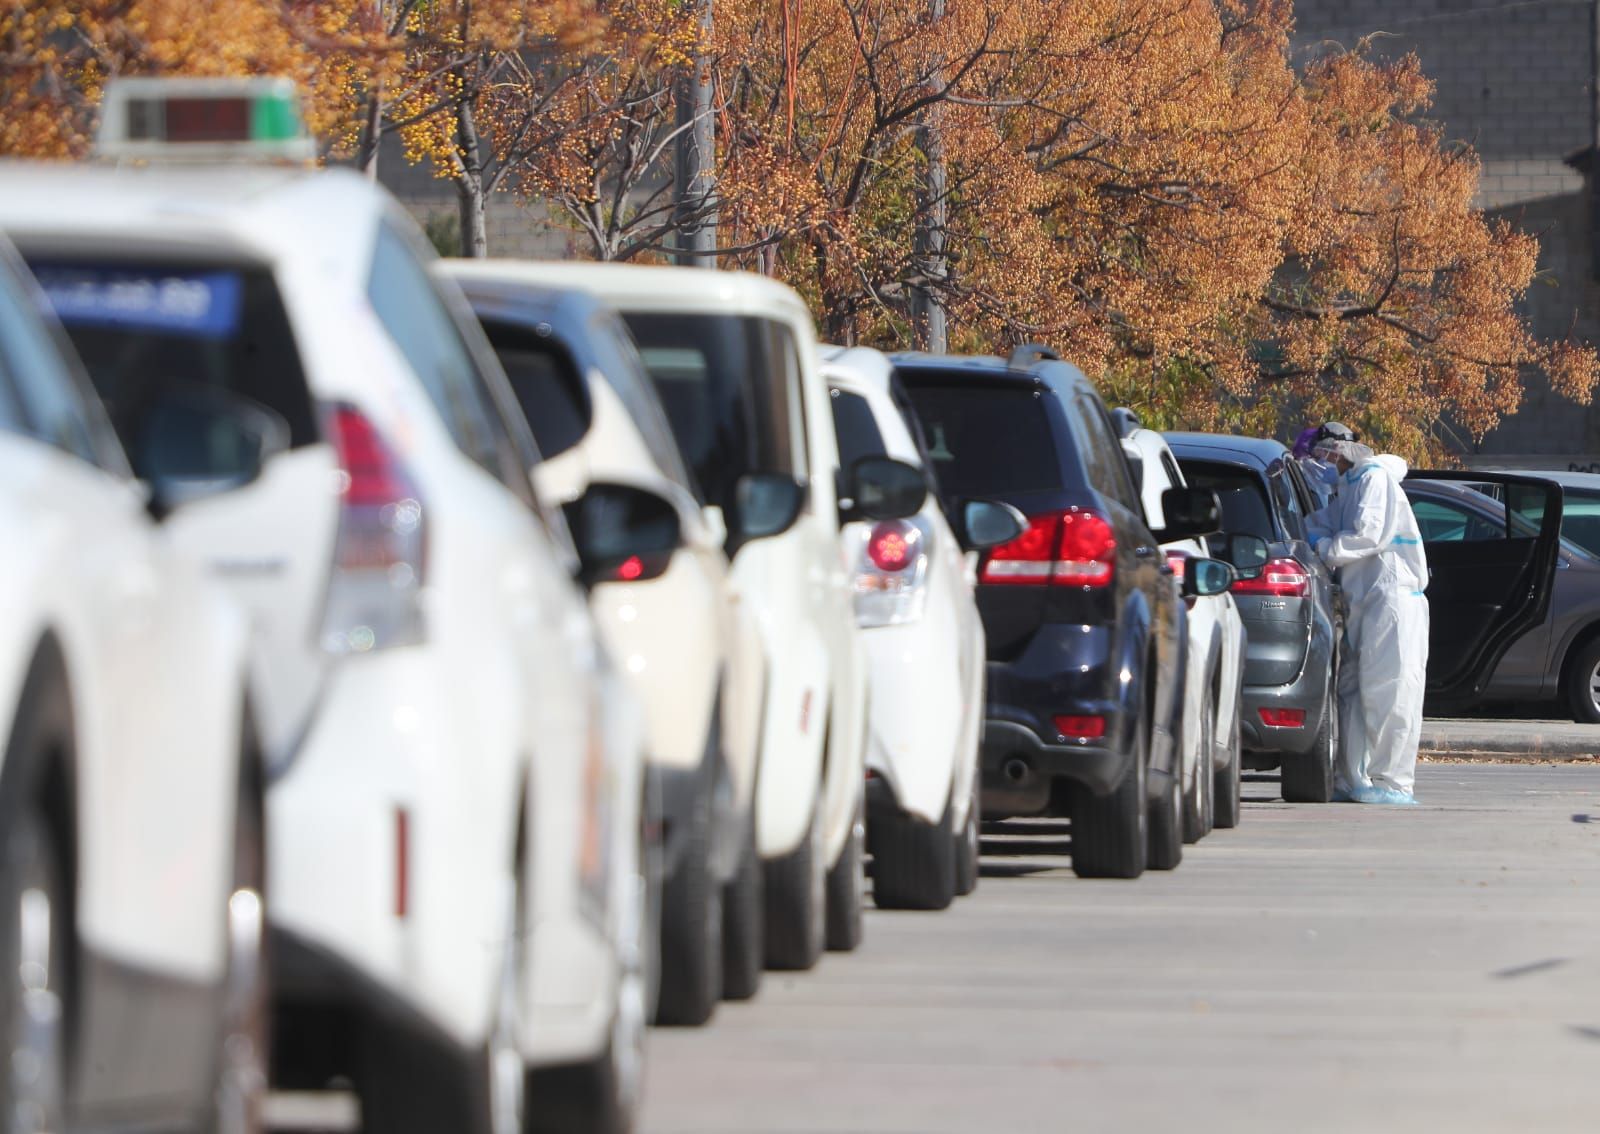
<point x="785" y="362"/>
<point x="857" y="429"/>
<point x="47" y="404"/>
<point x="626" y="375"/>
<point x="1287" y="498"/>
<point x="1449" y="523"/>
<point x="419" y="323"/>
<point x="1108" y="466"/>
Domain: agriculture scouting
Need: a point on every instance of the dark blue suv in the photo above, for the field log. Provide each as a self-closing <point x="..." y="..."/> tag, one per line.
<point x="1084" y="618"/>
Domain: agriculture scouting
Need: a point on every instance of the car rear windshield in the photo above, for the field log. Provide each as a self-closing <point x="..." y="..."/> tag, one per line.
<point x="1580" y="519"/>
<point x="1245" y="508"/>
<point x="986" y="442"/>
<point x="724" y="381"/>
<point x="144" y="327"/>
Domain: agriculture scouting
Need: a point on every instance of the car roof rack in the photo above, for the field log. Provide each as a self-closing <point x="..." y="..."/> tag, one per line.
<point x="1028" y="353"/>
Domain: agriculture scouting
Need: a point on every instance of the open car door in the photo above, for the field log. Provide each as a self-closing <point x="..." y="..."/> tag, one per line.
<point x="1490" y="580"/>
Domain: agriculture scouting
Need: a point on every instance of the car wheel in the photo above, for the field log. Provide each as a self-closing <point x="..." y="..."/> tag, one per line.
<point x="1583" y="684"/>
<point x="602" y="1095"/>
<point x="1166" y="827"/>
<point x="1197" y="801"/>
<point x="1110" y="834"/>
<point x="691" y="927"/>
<point x="246" y="1010"/>
<point x="1308" y="776"/>
<point x="796" y="900"/>
<point x="33" y="959"/>
<point x="847" y="885"/>
<point x="1225" y="788"/>
<point x="968" y="847"/>
<point x="742" y="945"/>
<point x="914" y="863"/>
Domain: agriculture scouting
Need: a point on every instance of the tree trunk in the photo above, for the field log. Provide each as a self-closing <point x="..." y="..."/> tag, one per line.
<point x="469" y="185"/>
<point x="371" y="134"/>
<point x="927" y="306"/>
<point x="695" y="160"/>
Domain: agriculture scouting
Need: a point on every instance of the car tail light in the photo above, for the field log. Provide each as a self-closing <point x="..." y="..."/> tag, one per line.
<point x="1281" y="578"/>
<point x="891" y="571"/>
<point x="1071" y="548"/>
<point x="1177" y="562"/>
<point x="1283" y="718"/>
<point x="378" y="556"/>
<point x="1080" y="728"/>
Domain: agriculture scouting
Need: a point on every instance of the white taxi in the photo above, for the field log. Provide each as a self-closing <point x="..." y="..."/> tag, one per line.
<point x="453" y="809"/>
<point x="130" y="793"/>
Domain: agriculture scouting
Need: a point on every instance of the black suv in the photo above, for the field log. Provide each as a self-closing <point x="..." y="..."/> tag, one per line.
<point x="1289" y="714"/>
<point x="1085" y="627"/>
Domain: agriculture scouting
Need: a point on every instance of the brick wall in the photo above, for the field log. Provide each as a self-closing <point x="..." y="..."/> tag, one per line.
<point x="1513" y="79"/>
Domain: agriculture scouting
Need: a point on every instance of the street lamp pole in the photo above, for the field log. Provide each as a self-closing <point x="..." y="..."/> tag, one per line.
<point x="695" y="157"/>
<point x="927" y="306"/>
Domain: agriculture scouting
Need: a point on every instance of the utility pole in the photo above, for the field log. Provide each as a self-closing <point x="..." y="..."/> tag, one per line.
<point x="695" y="159"/>
<point x="927" y="308"/>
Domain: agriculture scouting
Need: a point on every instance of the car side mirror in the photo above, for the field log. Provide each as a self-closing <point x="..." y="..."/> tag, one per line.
<point x="200" y="441"/>
<point x="624" y="534"/>
<point x="988" y="523"/>
<point x="764" y="505"/>
<point x="1190" y="513"/>
<point x="1247" y="554"/>
<point x="882" y="488"/>
<point x="1203" y="578"/>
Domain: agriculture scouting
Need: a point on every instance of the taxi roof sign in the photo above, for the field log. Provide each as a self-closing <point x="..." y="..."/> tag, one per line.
<point x="185" y="119"/>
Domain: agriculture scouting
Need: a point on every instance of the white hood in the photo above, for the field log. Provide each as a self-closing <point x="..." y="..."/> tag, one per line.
<point x="1393" y="465"/>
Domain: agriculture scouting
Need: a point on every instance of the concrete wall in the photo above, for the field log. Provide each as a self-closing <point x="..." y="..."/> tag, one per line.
<point x="1513" y="79"/>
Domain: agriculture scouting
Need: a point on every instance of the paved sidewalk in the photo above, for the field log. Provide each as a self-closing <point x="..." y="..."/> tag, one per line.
<point x="1511" y="739"/>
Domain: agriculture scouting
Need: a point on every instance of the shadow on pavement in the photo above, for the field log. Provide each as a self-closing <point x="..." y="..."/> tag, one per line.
<point x="1013" y="869"/>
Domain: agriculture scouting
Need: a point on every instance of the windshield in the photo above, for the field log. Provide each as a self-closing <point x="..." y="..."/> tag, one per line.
<point x="143" y="328"/>
<point x="1245" y="507"/>
<point x="724" y="383"/>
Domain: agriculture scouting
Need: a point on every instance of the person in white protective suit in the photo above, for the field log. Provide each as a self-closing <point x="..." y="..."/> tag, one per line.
<point x="1368" y="533"/>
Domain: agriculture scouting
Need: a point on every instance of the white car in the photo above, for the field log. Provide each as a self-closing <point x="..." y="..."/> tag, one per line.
<point x="690" y="648"/>
<point x="733" y="356"/>
<point x="130" y="794"/>
<point x="925" y="645"/>
<point x="1215" y="673"/>
<point x="453" y="807"/>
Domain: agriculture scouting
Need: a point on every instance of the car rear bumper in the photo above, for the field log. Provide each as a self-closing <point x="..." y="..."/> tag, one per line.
<point x="1020" y="770"/>
<point x="1310" y="692"/>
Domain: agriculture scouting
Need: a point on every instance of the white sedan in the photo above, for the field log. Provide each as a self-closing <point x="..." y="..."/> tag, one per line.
<point x="925" y="649"/>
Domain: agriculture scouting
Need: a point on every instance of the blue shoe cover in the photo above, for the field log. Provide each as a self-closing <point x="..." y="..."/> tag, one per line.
<point x="1394" y="797"/>
<point x="1367" y="793"/>
<point x="1343" y="795"/>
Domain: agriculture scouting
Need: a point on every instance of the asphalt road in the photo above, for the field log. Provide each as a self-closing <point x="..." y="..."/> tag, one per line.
<point x="1319" y="968"/>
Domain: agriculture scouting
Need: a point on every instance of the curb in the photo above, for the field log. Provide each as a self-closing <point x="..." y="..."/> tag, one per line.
<point x="1479" y="746"/>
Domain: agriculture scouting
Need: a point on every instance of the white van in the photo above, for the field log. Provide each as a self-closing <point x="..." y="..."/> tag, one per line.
<point x="733" y="356"/>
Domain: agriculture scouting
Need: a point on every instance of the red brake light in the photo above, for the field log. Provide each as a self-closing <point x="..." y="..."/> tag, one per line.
<point x="1071" y="548"/>
<point x="1284" y="718"/>
<point x="372" y="476"/>
<point x="892" y="546"/>
<point x="1282" y="578"/>
<point x="1080" y="728"/>
<point x="1177" y="561"/>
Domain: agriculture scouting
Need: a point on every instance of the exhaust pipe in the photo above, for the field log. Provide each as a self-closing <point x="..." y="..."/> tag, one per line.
<point x="1016" y="770"/>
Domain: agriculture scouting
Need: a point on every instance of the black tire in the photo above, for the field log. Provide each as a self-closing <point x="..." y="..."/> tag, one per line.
<point x="33" y="1013"/>
<point x="1227" y="780"/>
<point x="691" y="928"/>
<point x="1583" y="684"/>
<point x="1166" y="827"/>
<point x="968" y="848"/>
<point x="914" y="863"/>
<point x="1198" y="804"/>
<point x="1308" y="776"/>
<point x="36" y="896"/>
<point x="245" y="1039"/>
<point x="743" y="947"/>
<point x="847" y="885"/>
<point x="1110" y="834"/>
<point x="796" y="901"/>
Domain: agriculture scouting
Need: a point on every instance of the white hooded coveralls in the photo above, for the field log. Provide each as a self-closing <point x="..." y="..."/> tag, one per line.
<point x="1368" y="531"/>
